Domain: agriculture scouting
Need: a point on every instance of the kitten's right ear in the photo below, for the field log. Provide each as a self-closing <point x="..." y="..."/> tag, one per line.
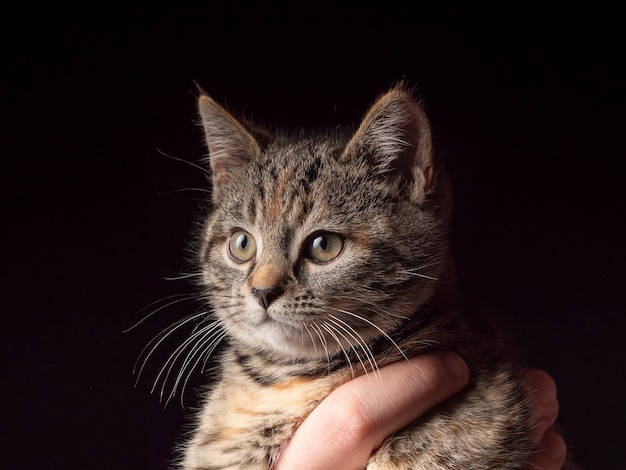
<point x="230" y="144"/>
<point x="395" y="137"/>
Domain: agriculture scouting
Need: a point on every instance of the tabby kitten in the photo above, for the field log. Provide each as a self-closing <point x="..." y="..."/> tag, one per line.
<point x="326" y="256"/>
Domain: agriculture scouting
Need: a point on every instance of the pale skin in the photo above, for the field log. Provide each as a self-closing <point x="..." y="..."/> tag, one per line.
<point x="353" y="420"/>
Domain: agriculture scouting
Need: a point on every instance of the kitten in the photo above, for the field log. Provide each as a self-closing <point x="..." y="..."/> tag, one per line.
<point x="326" y="256"/>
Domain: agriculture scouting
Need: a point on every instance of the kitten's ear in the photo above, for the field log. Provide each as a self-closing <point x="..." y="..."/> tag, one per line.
<point x="395" y="137"/>
<point x="230" y="144"/>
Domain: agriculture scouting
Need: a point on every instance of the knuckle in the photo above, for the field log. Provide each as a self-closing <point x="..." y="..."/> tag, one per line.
<point x="351" y="425"/>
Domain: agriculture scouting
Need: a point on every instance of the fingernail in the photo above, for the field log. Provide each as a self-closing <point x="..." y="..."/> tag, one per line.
<point x="455" y="365"/>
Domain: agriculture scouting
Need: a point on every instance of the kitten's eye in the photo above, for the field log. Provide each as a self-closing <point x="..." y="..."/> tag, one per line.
<point x="242" y="246"/>
<point x="324" y="247"/>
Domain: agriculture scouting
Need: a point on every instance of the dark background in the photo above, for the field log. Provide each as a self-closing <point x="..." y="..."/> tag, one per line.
<point x="528" y="114"/>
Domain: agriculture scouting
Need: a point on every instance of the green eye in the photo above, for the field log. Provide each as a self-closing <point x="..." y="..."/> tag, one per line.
<point x="324" y="247"/>
<point x="242" y="246"/>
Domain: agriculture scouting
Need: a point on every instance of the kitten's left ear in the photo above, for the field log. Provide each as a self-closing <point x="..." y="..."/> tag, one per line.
<point x="230" y="144"/>
<point x="395" y="137"/>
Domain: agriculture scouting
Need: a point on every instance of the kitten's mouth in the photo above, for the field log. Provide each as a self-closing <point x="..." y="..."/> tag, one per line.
<point x="264" y="318"/>
<point x="285" y="335"/>
<point x="273" y="319"/>
<point x="296" y="336"/>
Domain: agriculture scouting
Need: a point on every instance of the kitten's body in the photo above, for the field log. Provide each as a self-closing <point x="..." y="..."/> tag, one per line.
<point x="325" y="257"/>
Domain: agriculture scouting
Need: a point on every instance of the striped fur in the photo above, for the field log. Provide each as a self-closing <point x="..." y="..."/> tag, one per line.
<point x="297" y="328"/>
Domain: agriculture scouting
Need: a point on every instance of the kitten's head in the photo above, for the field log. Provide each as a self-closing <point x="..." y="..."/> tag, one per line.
<point x="317" y="243"/>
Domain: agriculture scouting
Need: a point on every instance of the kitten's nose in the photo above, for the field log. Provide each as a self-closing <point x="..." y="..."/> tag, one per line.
<point x="267" y="295"/>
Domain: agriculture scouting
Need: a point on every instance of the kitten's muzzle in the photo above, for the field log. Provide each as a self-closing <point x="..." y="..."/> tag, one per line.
<point x="267" y="295"/>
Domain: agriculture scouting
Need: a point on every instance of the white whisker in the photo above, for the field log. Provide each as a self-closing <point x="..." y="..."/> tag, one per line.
<point x="323" y="342"/>
<point x="360" y="342"/>
<point x="179" y="297"/>
<point x="313" y="342"/>
<point x="352" y="346"/>
<point x="202" y="169"/>
<point x="211" y="336"/>
<point x="425" y="276"/>
<point x="215" y="340"/>
<point x="331" y="332"/>
<point x="173" y="359"/>
<point x="369" y="322"/>
<point x="158" y="339"/>
<point x="375" y="307"/>
<point x="174" y="191"/>
<point x="182" y="276"/>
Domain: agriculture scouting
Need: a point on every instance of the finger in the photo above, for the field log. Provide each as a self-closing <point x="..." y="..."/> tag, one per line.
<point x="552" y="454"/>
<point x="344" y="430"/>
<point x="543" y="394"/>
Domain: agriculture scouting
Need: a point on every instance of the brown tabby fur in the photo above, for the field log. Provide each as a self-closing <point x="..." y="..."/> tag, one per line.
<point x="297" y="328"/>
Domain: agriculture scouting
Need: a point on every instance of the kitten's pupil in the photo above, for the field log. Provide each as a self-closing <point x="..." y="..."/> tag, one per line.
<point x="320" y="242"/>
<point x="242" y="241"/>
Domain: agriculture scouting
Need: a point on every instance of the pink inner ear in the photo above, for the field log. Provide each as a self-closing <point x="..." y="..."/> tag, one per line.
<point x="223" y="167"/>
<point x="220" y="176"/>
<point x="428" y="177"/>
<point x="409" y="156"/>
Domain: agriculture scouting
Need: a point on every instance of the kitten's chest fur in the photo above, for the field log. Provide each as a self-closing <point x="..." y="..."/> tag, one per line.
<point x="250" y="415"/>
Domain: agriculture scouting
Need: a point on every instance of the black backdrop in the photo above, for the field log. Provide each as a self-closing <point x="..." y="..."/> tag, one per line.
<point x="528" y="116"/>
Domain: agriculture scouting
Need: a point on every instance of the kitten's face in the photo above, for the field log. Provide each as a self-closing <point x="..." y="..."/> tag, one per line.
<point x="311" y="248"/>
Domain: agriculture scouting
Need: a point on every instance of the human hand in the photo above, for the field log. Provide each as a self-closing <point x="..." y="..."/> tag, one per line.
<point x="353" y="420"/>
<point x="542" y="391"/>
